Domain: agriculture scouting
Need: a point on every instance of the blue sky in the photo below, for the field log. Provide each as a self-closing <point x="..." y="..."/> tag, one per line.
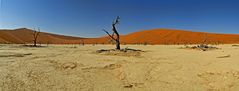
<point x="86" y="18"/>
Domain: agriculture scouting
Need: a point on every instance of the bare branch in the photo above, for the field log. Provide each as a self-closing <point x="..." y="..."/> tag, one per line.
<point x="112" y="37"/>
<point x="38" y="32"/>
<point x="116" y="20"/>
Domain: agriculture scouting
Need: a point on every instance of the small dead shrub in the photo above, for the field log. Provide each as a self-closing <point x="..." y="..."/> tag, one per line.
<point x="121" y="52"/>
<point x="128" y="86"/>
<point x="25" y="45"/>
<point x="235" y="45"/>
<point x="202" y="47"/>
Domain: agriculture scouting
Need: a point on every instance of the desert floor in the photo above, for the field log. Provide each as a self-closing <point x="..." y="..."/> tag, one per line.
<point x="80" y="68"/>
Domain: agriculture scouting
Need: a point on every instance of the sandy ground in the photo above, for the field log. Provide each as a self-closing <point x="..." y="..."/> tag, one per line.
<point x="79" y="68"/>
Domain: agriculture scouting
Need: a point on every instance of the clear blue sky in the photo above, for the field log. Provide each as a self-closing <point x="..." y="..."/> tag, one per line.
<point x="86" y="18"/>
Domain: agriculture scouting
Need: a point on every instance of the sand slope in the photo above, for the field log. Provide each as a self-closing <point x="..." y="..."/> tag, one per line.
<point x="155" y="36"/>
<point x="24" y="35"/>
<point x="169" y="36"/>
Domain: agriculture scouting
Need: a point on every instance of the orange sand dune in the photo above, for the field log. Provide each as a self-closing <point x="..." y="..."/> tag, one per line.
<point x="24" y="35"/>
<point x="169" y="36"/>
<point x="155" y="36"/>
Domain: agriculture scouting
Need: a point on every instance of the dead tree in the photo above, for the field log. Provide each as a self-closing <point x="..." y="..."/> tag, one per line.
<point x="205" y="39"/>
<point x="115" y="37"/>
<point x="204" y="46"/>
<point x="82" y="42"/>
<point x="35" y="36"/>
<point x="204" y="43"/>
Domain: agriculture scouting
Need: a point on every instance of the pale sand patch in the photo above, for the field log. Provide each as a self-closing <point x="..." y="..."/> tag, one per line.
<point x="78" y="68"/>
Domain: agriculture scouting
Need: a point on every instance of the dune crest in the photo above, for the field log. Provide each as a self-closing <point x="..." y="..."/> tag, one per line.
<point x="154" y="36"/>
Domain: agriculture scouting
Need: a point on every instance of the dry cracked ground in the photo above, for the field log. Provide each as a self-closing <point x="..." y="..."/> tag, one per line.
<point x="80" y="68"/>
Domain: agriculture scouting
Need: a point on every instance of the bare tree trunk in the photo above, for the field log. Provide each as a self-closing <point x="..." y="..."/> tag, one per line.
<point x="118" y="45"/>
<point x="117" y="40"/>
<point x="35" y="43"/>
<point x="83" y="43"/>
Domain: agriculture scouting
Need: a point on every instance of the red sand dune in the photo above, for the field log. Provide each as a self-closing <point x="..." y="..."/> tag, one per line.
<point x="23" y="35"/>
<point x="155" y="36"/>
<point x="169" y="36"/>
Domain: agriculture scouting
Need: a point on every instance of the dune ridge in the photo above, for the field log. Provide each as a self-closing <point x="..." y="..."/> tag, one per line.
<point x="153" y="36"/>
